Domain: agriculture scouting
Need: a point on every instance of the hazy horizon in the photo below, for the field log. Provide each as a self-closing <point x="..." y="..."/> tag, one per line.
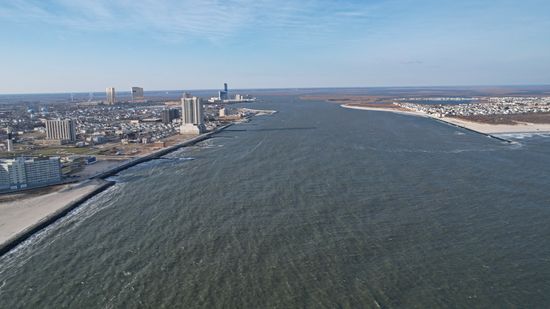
<point x="128" y="91"/>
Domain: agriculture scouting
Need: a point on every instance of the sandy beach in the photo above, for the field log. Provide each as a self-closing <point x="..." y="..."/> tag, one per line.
<point x="21" y="213"/>
<point x="476" y="126"/>
<point x="99" y="167"/>
<point x="499" y="128"/>
<point x="28" y="210"/>
<point x="391" y="110"/>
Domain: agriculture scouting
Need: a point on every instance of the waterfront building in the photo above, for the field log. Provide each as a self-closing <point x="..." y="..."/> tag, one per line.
<point x="137" y="94"/>
<point x="192" y="116"/>
<point x="21" y="173"/>
<point x="111" y="96"/>
<point x="61" y="130"/>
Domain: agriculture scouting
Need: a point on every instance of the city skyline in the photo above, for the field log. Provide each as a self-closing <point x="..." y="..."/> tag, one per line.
<point x="82" y="46"/>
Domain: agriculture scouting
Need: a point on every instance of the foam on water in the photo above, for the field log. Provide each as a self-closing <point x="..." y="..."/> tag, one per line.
<point x="523" y="135"/>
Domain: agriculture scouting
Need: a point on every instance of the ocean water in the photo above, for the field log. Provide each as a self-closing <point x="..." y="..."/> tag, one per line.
<point x="316" y="206"/>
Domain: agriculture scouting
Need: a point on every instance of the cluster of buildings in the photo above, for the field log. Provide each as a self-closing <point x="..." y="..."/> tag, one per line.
<point x="59" y="127"/>
<point x="223" y="97"/>
<point x="445" y="99"/>
<point x="136" y="131"/>
<point x="22" y="173"/>
<point x="99" y="124"/>
<point x="169" y="114"/>
<point x="484" y="106"/>
<point x="137" y="95"/>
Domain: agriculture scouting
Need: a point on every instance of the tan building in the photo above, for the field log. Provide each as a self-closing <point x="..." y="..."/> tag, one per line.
<point x="111" y="96"/>
<point x="192" y="116"/>
<point x="137" y="94"/>
<point x="61" y="130"/>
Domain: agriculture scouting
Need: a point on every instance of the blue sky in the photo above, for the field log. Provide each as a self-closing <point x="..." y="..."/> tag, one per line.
<point x="75" y="45"/>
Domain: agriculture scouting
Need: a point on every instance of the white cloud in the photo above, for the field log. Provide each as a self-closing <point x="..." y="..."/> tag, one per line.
<point x="211" y="19"/>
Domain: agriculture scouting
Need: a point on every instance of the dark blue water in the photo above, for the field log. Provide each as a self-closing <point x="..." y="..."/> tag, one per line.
<point x="316" y="206"/>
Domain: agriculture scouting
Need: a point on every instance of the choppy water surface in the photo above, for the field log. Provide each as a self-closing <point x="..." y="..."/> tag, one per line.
<point x="316" y="206"/>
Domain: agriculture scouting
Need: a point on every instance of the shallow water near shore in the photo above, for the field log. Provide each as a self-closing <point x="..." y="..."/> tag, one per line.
<point x="316" y="206"/>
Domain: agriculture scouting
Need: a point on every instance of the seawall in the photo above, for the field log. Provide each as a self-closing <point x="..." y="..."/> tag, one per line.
<point x="60" y="213"/>
<point x="159" y="153"/>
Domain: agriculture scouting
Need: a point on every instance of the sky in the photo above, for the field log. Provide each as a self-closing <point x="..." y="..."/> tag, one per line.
<point x="83" y="46"/>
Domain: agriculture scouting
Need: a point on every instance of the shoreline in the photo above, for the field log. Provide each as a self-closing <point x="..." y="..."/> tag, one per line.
<point x="18" y="224"/>
<point x="16" y="214"/>
<point x="390" y="110"/>
<point x="480" y="128"/>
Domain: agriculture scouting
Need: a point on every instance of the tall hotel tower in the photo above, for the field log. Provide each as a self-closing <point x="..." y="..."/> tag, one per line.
<point x="111" y="97"/>
<point x="137" y="94"/>
<point x="192" y="117"/>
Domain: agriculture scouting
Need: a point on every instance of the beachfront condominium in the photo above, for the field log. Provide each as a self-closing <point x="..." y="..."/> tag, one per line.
<point x="21" y="173"/>
<point x="61" y="130"/>
<point x="137" y="94"/>
<point x="111" y="97"/>
<point x="192" y="117"/>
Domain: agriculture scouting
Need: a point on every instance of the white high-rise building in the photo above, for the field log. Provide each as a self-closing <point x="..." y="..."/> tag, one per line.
<point x="111" y="96"/>
<point x="62" y="130"/>
<point x="9" y="145"/>
<point x="192" y="116"/>
<point x="21" y="173"/>
<point x="137" y="94"/>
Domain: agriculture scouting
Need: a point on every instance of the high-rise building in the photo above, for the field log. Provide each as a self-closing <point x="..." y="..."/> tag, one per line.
<point x="111" y="96"/>
<point x="223" y="95"/>
<point x="9" y="145"/>
<point x="169" y="114"/>
<point x="192" y="116"/>
<point x="62" y="130"/>
<point x="137" y="94"/>
<point x="21" y="173"/>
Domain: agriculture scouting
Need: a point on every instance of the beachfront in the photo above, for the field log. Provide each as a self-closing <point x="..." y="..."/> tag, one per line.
<point x="484" y="128"/>
<point x="20" y="213"/>
<point x="23" y="213"/>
